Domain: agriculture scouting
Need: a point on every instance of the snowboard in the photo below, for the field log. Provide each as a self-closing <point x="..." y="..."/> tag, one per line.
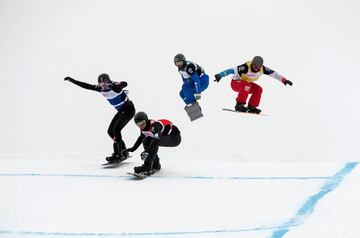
<point x="249" y="113"/>
<point x="138" y="176"/>
<point x="141" y="175"/>
<point x="194" y="111"/>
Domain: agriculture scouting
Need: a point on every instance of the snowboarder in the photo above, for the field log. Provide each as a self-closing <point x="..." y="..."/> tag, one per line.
<point x="243" y="82"/>
<point x="195" y="81"/>
<point x="153" y="133"/>
<point x="116" y="95"/>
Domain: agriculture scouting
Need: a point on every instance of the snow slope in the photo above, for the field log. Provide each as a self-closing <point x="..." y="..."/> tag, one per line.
<point x="72" y="196"/>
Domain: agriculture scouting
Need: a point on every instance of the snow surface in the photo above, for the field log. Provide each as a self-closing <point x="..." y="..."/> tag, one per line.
<point x="233" y="175"/>
<point x="45" y="195"/>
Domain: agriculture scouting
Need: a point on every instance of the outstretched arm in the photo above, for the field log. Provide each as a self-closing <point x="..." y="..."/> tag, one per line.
<point x="277" y="76"/>
<point x="223" y="74"/>
<point x="137" y="144"/>
<point x="83" y="85"/>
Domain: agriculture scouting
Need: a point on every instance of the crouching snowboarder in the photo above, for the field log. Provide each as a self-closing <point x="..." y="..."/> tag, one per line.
<point x="153" y="133"/>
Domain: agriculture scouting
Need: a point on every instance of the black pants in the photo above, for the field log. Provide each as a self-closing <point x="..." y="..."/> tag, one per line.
<point x="165" y="141"/>
<point x="153" y="161"/>
<point x="122" y="117"/>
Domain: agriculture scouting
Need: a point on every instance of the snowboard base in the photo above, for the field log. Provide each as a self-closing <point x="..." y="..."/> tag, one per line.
<point x="194" y="111"/>
<point x="249" y="113"/>
<point x="114" y="164"/>
<point x="141" y="175"/>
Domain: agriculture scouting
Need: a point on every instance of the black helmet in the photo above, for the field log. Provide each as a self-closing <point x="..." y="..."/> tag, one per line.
<point x="103" y="78"/>
<point x="257" y="61"/>
<point x="178" y="58"/>
<point x="140" y="116"/>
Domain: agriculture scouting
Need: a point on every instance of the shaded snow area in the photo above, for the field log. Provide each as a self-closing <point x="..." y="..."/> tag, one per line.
<point x="71" y="195"/>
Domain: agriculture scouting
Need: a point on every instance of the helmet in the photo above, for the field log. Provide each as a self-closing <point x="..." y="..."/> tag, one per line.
<point x="257" y="61"/>
<point x="179" y="58"/>
<point x="103" y="78"/>
<point x="140" y="116"/>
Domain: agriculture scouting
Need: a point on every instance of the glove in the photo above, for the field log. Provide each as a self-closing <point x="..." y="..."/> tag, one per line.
<point x="68" y="79"/>
<point x="285" y="81"/>
<point x="217" y="78"/>
<point x="128" y="150"/>
<point x="197" y="96"/>
<point x="144" y="155"/>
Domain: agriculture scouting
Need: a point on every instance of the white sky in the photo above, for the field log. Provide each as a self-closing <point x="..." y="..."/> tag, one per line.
<point x="312" y="43"/>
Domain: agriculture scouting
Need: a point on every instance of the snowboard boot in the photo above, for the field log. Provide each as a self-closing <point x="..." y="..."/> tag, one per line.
<point x="140" y="169"/>
<point x="143" y="169"/>
<point x="119" y="147"/>
<point x="254" y="110"/>
<point x="114" y="158"/>
<point x="240" y="107"/>
<point x="148" y="167"/>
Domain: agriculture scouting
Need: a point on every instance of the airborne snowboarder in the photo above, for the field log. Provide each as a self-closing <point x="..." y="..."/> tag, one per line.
<point x="243" y="82"/>
<point x="195" y="81"/>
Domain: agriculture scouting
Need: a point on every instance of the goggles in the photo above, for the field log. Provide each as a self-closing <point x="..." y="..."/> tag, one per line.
<point x="255" y="67"/>
<point x="141" y="123"/>
<point x="179" y="63"/>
